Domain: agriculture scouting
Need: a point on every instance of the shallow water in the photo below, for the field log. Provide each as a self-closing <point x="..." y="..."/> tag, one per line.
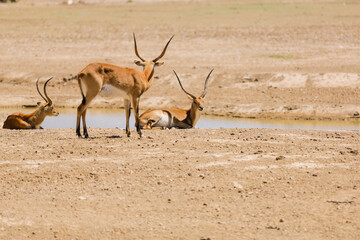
<point x="110" y="118"/>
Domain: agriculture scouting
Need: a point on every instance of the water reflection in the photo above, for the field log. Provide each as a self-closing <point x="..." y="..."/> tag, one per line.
<point x="110" y="118"/>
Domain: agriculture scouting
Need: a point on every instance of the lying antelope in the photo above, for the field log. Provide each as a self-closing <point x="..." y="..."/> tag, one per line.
<point x="126" y="82"/>
<point x="32" y="120"/>
<point x="174" y="117"/>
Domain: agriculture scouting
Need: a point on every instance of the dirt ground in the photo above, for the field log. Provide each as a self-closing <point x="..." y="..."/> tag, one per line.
<point x="189" y="184"/>
<point x="272" y="59"/>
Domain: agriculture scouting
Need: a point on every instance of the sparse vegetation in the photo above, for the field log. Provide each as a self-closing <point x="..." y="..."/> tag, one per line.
<point x="279" y="56"/>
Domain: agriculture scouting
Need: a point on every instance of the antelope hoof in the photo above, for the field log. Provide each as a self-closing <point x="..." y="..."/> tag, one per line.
<point x="78" y="134"/>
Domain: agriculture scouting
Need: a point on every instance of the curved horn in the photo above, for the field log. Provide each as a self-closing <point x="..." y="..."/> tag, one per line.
<point x="163" y="52"/>
<point x="136" y="51"/>
<point x="37" y="87"/>
<point x="182" y="86"/>
<point x="206" y="82"/>
<point x="48" y="99"/>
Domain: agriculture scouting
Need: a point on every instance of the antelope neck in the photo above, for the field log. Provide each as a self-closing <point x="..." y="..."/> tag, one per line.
<point x="149" y="72"/>
<point x="37" y="116"/>
<point x="193" y="115"/>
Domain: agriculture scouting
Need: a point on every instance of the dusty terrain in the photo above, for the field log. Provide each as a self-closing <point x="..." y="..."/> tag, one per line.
<point x="190" y="184"/>
<point x="272" y="59"/>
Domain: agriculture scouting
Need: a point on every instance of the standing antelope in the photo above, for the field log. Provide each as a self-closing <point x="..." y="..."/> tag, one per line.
<point x="129" y="83"/>
<point x="32" y="120"/>
<point x="174" y="117"/>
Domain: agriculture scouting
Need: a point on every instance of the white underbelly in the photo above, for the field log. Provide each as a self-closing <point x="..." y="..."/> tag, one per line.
<point x="110" y="91"/>
<point x="164" y="121"/>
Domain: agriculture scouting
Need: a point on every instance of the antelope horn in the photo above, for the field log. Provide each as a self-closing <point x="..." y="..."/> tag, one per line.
<point x="48" y="99"/>
<point x="136" y="51"/>
<point x="37" y="87"/>
<point x="182" y="86"/>
<point x="163" y="52"/>
<point x="206" y="82"/>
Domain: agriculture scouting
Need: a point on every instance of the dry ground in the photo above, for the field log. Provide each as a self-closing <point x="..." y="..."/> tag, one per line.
<point x="272" y="59"/>
<point x="190" y="184"/>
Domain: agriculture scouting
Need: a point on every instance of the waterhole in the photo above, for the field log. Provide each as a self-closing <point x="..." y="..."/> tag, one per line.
<point x="111" y="118"/>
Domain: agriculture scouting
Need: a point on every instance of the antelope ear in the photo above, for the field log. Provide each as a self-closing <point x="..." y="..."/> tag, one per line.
<point x="190" y="97"/>
<point x="159" y="63"/>
<point x="139" y="63"/>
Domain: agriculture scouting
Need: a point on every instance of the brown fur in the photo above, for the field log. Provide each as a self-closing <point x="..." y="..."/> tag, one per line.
<point x="179" y="118"/>
<point x="175" y="117"/>
<point x="131" y="82"/>
<point x="34" y="119"/>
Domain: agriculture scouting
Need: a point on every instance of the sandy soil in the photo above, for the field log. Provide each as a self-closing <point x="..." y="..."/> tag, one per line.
<point x="273" y="59"/>
<point x="190" y="184"/>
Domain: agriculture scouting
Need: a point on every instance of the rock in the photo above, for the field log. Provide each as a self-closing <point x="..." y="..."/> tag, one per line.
<point x="237" y="185"/>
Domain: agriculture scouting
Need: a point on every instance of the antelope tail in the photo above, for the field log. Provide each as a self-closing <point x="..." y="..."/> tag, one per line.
<point x="81" y="89"/>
